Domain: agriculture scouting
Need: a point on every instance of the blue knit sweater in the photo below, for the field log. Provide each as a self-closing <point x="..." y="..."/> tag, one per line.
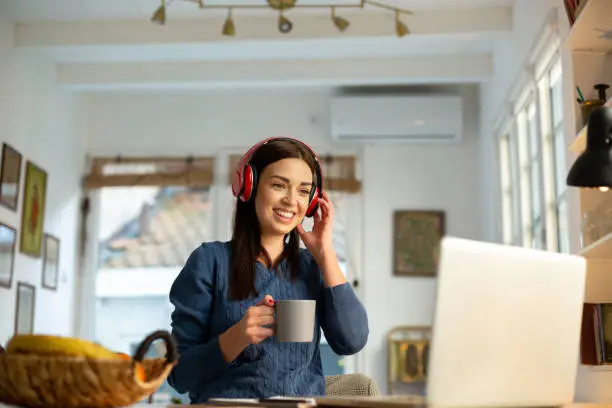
<point x="203" y="311"/>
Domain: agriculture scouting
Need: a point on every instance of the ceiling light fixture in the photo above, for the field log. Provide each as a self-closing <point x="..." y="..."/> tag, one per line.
<point x="284" y="25"/>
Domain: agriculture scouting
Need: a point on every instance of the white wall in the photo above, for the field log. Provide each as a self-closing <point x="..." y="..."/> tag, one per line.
<point x="509" y="58"/>
<point x="205" y="124"/>
<point x="394" y="177"/>
<point x="46" y="126"/>
<point x="407" y="178"/>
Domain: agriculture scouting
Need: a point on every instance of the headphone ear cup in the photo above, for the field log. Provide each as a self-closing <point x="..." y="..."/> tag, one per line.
<point x="247" y="183"/>
<point x="313" y="204"/>
<point x="254" y="180"/>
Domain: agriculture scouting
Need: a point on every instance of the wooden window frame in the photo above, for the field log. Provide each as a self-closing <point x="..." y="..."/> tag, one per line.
<point x="339" y="179"/>
<point x="191" y="171"/>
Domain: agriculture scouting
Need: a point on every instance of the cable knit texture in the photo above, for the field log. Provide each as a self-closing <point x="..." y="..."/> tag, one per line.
<point x="203" y="311"/>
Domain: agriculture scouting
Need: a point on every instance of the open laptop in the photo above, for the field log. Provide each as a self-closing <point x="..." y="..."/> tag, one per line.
<point x="506" y="326"/>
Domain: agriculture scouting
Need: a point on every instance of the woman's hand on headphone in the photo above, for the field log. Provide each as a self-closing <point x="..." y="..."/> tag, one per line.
<point x="319" y="240"/>
<point x="319" y="243"/>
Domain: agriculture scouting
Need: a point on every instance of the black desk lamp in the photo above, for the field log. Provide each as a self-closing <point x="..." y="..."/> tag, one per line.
<point x="593" y="168"/>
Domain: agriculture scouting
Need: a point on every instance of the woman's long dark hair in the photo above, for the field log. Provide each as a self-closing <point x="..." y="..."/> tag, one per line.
<point x="246" y="236"/>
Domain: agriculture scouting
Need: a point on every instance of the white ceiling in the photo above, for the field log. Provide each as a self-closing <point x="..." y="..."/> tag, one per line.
<point x="100" y="43"/>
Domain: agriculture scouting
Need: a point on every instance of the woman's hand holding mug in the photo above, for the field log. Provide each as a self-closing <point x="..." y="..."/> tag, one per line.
<point x="253" y="324"/>
<point x="253" y="328"/>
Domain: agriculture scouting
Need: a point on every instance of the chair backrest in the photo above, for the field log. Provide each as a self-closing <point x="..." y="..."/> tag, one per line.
<point x="355" y="385"/>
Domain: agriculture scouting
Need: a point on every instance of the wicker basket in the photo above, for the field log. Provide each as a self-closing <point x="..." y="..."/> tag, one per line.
<point x="75" y="382"/>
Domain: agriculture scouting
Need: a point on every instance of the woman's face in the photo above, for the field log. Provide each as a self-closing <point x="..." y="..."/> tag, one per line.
<point x="282" y="196"/>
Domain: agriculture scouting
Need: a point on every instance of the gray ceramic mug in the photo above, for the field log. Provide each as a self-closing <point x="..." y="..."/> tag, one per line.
<point x="295" y="320"/>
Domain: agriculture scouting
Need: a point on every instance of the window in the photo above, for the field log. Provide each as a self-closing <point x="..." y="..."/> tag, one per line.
<point x="532" y="160"/>
<point x="558" y="154"/>
<point x="145" y="236"/>
<point x="553" y="156"/>
<point x="529" y="164"/>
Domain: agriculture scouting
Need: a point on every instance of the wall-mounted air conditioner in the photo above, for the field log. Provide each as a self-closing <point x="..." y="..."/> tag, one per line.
<point x="397" y="119"/>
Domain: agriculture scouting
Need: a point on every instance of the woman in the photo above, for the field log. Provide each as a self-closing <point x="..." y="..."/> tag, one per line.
<point x="224" y="296"/>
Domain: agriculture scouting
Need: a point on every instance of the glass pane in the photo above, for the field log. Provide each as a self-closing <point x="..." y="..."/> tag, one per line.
<point x="524" y="176"/>
<point x="560" y="166"/>
<point x="532" y="130"/>
<point x="514" y="168"/>
<point x="563" y="226"/>
<point x="556" y="98"/>
<point x="504" y="162"/>
<point x="535" y="190"/>
<point x="151" y="227"/>
<point x="333" y="364"/>
<point x="507" y="217"/>
<point x="506" y="184"/>
<point x="539" y="240"/>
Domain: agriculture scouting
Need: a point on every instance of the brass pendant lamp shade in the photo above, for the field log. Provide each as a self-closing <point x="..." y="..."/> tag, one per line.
<point x="400" y="28"/>
<point x="228" y="27"/>
<point x="340" y="23"/>
<point x="159" y="17"/>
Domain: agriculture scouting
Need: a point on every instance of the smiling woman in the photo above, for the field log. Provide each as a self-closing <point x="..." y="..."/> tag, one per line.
<point x="225" y="295"/>
<point x="283" y="196"/>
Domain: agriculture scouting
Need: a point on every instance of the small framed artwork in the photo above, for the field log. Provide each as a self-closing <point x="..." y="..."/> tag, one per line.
<point x="50" y="262"/>
<point x="10" y="177"/>
<point x="416" y="242"/>
<point x="25" y="308"/>
<point x="8" y="242"/>
<point x="33" y="211"/>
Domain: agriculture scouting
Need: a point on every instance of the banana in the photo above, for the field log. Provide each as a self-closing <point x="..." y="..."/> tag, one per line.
<point x="40" y="344"/>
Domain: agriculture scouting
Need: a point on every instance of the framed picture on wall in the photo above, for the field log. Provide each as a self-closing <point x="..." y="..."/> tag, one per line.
<point x="33" y="210"/>
<point x="25" y="308"/>
<point x="8" y="242"/>
<point x="416" y="242"/>
<point x="10" y="177"/>
<point x="50" y="262"/>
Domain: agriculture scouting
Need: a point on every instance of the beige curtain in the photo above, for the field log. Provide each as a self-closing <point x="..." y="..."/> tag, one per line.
<point x="150" y="171"/>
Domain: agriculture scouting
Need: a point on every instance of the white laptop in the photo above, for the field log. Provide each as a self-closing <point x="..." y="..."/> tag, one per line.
<point x="506" y="326"/>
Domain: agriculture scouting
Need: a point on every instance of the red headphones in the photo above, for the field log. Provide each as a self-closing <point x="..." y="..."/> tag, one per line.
<point x="244" y="179"/>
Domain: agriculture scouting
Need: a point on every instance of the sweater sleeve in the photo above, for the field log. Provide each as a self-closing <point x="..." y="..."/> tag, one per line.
<point x="200" y="358"/>
<point x="342" y="317"/>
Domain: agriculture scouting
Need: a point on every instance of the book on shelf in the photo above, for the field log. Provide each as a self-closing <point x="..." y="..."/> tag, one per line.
<point x="573" y="8"/>
<point x="596" y="339"/>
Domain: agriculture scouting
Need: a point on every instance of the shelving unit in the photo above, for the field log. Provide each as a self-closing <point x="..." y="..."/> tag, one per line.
<point x="593" y="21"/>
<point x="599" y="249"/>
<point x="589" y="44"/>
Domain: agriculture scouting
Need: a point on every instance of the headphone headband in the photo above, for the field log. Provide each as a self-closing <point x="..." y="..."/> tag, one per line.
<point x="244" y="178"/>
